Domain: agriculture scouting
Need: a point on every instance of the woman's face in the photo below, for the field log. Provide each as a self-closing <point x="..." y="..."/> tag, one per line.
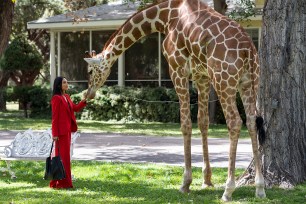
<point x="64" y="85"/>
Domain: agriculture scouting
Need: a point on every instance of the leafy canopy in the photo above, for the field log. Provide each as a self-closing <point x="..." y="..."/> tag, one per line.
<point x="21" y="54"/>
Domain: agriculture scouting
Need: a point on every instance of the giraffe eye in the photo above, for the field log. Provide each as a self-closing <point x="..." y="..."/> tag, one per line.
<point x="90" y="72"/>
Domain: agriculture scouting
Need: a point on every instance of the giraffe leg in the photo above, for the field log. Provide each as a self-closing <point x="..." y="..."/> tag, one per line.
<point x="186" y="128"/>
<point x="234" y="124"/>
<point x="249" y="103"/>
<point x="182" y="90"/>
<point x="203" y="123"/>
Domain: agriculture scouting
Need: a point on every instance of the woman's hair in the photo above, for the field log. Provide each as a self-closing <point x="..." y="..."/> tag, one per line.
<point x="57" y="85"/>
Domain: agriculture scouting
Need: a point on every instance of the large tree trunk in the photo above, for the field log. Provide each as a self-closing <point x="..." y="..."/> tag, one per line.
<point x="6" y="18"/>
<point x="282" y="92"/>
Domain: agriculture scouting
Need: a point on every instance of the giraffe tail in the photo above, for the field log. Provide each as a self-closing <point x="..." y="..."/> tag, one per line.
<point x="260" y="130"/>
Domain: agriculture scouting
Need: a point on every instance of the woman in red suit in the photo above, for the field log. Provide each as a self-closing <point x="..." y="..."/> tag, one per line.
<point x="63" y="123"/>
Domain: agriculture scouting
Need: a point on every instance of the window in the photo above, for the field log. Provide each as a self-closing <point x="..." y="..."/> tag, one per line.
<point x="254" y="34"/>
<point x="73" y="47"/>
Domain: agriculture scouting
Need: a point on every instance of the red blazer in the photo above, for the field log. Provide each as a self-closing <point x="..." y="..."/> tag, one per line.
<point x="63" y="118"/>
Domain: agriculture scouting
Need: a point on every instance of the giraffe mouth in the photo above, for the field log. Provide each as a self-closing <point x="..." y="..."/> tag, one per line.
<point x="90" y="93"/>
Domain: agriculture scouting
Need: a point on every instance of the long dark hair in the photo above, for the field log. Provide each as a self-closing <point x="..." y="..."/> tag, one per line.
<point x="57" y="85"/>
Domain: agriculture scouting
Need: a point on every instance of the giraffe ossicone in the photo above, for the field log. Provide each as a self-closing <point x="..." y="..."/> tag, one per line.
<point x="208" y="48"/>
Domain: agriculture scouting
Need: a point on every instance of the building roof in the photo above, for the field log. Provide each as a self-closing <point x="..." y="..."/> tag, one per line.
<point x="108" y="16"/>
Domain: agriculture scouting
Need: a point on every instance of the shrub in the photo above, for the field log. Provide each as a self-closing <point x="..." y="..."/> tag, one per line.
<point x="140" y="104"/>
<point x="40" y="102"/>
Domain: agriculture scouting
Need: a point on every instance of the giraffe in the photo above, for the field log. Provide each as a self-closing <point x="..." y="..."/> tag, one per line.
<point x="206" y="47"/>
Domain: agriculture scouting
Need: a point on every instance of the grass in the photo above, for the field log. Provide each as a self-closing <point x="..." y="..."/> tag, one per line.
<point x="100" y="182"/>
<point x="14" y="120"/>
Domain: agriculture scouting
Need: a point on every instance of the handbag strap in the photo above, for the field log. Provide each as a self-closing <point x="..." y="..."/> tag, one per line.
<point x="58" y="147"/>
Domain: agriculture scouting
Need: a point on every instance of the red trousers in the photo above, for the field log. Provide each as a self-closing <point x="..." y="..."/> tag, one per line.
<point x="64" y="143"/>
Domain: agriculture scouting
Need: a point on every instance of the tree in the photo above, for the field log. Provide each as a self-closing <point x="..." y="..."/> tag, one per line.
<point x="29" y="10"/>
<point x="282" y="92"/>
<point x="23" y="60"/>
<point x="6" y="18"/>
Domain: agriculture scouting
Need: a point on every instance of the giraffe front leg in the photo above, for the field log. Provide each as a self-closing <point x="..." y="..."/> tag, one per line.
<point x="203" y="85"/>
<point x="187" y="179"/>
<point x="206" y="169"/>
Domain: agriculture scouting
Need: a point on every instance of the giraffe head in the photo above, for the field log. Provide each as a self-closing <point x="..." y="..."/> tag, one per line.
<point x="98" y="71"/>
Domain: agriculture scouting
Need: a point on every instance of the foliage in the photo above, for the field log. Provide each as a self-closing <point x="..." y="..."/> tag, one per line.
<point x="74" y="5"/>
<point x="141" y="104"/>
<point x="23" y="59"/>
<point x="243" y="9"/>
<point x="113" y="182"/>
<point x="30" y="10"/>
<point x="34" y="98"/>
<point x="21" y="93"/>
<point x="39" y="99"/>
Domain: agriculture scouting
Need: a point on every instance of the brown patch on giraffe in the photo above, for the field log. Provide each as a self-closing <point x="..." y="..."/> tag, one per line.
<point x="225" y="75"/>
<point x="231" y="56"/>
<point x="223" y="23"/>
<point x="195" y="49"/>
<point x="117" y="52"/>
<point x="118" y="39"/>
<point x="127" y="42"/>
<point x="239" y="63"/>
<point x="152" y="13"/>
<point x="180" y="41"/>
<point x="220" y="38"/>
<point x="174" y="13"/>
<point x="232" y="43"/>
<point x="163" y="15"/>
<point x="232" y="81"/>
<point x="136" y="33"/>
<point x="214" y="29"/>
<point x="127" y="28"/>
<point x="146" y="28"/>
<point x="179" y="26"/>
<point x="220" y="51"/>
<point x="159" y="26"/>
<point x="137" y="19"/>
<point x="232" y="70"/>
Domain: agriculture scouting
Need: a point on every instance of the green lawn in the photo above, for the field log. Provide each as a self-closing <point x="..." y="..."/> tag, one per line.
<point x="14" y="120"/>
<point x="100" y="182"/>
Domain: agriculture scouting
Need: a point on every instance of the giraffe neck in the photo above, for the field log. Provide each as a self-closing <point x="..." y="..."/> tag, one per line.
<point x="148" y="21"/>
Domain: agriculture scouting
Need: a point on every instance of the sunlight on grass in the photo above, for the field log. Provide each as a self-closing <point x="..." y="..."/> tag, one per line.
<point x="109" y="182"/>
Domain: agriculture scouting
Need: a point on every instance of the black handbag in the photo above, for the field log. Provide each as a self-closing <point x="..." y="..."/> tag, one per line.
<point x="54" y="167"/>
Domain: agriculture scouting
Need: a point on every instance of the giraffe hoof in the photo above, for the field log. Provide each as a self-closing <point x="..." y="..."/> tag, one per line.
<point x="205" y="185"/>
<point x="260" y="193"/>
<point x="226" y="198"/>
<point x="184" y="190"/>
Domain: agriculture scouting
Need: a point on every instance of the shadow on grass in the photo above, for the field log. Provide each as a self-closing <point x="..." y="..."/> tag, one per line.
<point x="99" y="182"/>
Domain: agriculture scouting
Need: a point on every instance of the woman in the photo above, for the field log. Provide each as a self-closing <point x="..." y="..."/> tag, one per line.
<point x="63" y="123"/>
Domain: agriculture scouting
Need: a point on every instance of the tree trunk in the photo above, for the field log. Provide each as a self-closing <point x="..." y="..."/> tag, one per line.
<point x="220" y="6"/>
<point x="282" y="92"/>
<point x="6" y="18"/>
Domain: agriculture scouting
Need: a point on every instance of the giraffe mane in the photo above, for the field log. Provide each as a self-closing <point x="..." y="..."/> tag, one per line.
<point x="116" y="32"/>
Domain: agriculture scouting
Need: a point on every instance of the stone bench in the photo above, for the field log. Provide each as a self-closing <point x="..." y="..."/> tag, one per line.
<point x="30" y="146"/>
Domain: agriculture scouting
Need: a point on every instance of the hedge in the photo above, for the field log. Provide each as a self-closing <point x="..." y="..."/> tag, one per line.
<point x="141" y="104"/>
